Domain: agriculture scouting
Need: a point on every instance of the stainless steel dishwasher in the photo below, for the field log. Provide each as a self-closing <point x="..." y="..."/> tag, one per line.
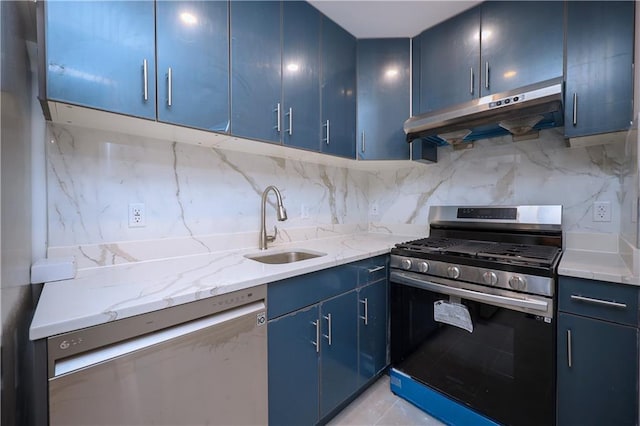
<point x="201" y="363"/>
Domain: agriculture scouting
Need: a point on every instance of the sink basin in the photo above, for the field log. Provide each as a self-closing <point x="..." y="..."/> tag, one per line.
<point x="284" y="256"/>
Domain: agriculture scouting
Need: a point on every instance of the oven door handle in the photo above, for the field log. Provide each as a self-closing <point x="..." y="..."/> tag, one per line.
<point x="536" y="305"/>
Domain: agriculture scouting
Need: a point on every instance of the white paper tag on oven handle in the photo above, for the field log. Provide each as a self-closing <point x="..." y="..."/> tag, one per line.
<point x="455" y="314"/>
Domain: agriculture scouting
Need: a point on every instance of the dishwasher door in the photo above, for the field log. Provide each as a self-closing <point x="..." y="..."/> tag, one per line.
<point x="208" y="371"/>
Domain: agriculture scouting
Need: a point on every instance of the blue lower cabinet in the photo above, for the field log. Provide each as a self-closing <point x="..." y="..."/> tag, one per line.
<point x="597" y="372"/>
<point x="339" y="351"/>
<point x="293" y="368"/>
<point x="373" y="328"/>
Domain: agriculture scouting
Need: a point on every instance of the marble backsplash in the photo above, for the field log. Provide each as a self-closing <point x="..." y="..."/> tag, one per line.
<point x="501" y="172"/>
<point x="205" y="199"/>
<point x="191" y="194"/>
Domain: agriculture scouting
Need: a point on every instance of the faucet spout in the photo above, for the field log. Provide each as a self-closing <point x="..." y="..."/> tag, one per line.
<point x="281" y="214"/>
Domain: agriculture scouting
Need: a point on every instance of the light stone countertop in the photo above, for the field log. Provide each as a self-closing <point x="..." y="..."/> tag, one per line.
<point x="596" y="265"/>
<point x="99" y="295"/>
<point x="599" y="257"/>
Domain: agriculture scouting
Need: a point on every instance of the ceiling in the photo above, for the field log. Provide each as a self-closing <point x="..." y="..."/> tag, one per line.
<point x="390" y="18"/>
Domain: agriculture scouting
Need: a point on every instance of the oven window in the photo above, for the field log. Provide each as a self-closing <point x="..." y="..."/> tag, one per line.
<point x="504" y="369"/>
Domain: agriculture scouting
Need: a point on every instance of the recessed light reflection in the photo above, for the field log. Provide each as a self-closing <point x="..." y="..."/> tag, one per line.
<point x="293" y="67"/>
<point x="391" y="73"/>
<point x="188" y="18"/>
<point x="509" y="74"/>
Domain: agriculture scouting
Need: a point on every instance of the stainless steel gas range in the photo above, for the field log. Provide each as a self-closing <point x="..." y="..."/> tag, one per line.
<point x="473" y="315"/>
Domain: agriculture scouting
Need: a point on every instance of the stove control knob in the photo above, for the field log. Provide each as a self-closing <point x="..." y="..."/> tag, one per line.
<point x="406" y="264"/>
<point x="490" y="278"/>
<point x="517" y="283"/>
<point x="423" y="267"/>
<point x="453" y="272"/>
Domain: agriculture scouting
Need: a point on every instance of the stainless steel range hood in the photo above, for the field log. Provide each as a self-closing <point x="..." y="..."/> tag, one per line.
<point x="520" y="112"/>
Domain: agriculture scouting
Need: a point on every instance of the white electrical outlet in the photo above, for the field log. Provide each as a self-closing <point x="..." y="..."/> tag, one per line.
<point x="602" y="211"/>
<point x="137" y="217"/>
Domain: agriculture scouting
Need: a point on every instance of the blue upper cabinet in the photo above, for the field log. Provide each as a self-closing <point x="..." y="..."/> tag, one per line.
<point x="522" y="44"/>
<point x="338" y="90"/>
<point x="383" y="98"/>
<point x="256" y="64"/>
<point x="300" y="75"/>
<point x="449" y="60"/>
<point x="599" y="76"/>
<point x="488" y="49"/>
<point x="101" y="54"/>
<point x="193" y="63"/>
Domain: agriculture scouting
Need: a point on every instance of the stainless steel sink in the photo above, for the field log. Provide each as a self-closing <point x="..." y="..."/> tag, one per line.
<point x="284" y="256"/>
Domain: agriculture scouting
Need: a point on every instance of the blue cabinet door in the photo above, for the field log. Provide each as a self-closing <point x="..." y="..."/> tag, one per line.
<point x="449" y="62"/>
<point x="339" y="351"/>
<point x="597" y="372"/>
<point x="338" y="90"/>
<point x="511" y="56"/>
<point x="293" y="368"/>
<point x="101" y="54"/>
<point x="256" y="64"/>
<point x="300" y="75"/>
<point x="383" y="98"/>
<point x="373" y="326"/>
<point x="599" y="75"/>
<point x="193" y="63"/>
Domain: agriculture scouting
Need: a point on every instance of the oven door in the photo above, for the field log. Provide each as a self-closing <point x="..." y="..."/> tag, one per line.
<point x="504" y="368"/>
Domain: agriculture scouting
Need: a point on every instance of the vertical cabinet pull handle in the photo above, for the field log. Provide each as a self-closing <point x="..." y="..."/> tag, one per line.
<point x="328" y="335"/>
<point x="327" y="126"/>
<point x="290" y="114"/>
<point x="145" y="77"/>
<point x="575" y="109"/>
<point x="365" y="301"/>
<point x="486" y="74"/>
<point x="317" y="342"/>
<point x="471" y="82"/>
<point x="569" y="354"/>
<point x="362" y="144"/>
<point x="169" y="87"/>
<point x="278" y="117"/>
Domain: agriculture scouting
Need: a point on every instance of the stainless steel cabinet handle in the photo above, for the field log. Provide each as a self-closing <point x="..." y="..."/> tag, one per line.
<point x="317" y="342"/>
<point x="599" y="302"/>
<point x="327" y="126"/>
<point x="365" y="301"/>
<point x="569" y="355"/>
<point x="575" y="109"/>
<point x="376" y="269"/>
<point x="145" y="75"/>
<point x="362" y="145"/>
<point x="169" y="87"/>
<point x="328" y="335"/>
<point x="290" y="129"/>
<point x="277" y="111"/>
<point x="471" y="82"/>
<point x="486" y="74"/>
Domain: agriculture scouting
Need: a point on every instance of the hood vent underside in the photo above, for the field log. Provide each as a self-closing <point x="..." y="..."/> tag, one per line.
<point x="520" y="112"/>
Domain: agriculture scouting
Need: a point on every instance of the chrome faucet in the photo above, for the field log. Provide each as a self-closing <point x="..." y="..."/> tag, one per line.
<point x="280" y="211"/>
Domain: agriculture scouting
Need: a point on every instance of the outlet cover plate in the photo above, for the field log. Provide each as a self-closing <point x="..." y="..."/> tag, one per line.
<point x="602" y="211"/>
<point x="137" y="217"/>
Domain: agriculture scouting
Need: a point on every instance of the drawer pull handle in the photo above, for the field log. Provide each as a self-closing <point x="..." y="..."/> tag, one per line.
<point x="376" y="269"/>
<point x="599" y="302"/>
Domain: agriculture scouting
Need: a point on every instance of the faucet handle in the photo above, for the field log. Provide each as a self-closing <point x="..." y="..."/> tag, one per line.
<point x="272" y="238"/>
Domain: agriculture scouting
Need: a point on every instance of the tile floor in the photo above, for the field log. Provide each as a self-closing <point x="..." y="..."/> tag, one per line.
<point x="378" y="406"/>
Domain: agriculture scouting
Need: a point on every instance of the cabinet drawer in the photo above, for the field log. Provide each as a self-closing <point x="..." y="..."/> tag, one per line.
<point x="373" y="269"/>
<point x="597" y="299"/>
<point x="295" y="293"/>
